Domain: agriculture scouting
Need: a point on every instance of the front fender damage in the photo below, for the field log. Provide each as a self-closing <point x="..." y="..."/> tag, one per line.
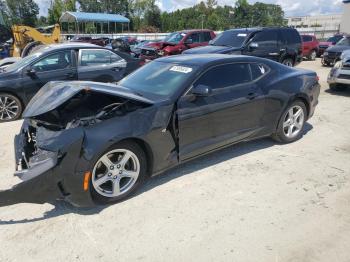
<point x="46" y="168"/>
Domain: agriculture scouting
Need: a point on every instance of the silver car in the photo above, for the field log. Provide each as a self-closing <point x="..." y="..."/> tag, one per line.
<point x="339" y="76"/>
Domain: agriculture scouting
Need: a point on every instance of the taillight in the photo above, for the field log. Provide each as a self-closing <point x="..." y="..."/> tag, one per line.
<point x="317" y="78"/>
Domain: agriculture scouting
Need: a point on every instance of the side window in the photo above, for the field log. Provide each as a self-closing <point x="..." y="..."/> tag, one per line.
<point x="206" y="37"/>
<point x="291" y="36"/>
<point x="225" y="76"/>
<point x="307" y="38"/>
<point x="195" y="38"/>
<point x="94" y="57"/>
<point x="266" y="38"/>
<point x="258" y="70"/>
<point x="52" y="62"/>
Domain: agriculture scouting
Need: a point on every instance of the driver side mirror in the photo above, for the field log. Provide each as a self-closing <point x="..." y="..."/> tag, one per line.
<point x="252" y="46"/>
<point x="31" y="71"/>
<point x="188" y="41"/>
<point x="202" y="90"/>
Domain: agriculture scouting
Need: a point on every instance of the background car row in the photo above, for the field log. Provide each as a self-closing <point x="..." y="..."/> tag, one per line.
<point x="20" y="81"/>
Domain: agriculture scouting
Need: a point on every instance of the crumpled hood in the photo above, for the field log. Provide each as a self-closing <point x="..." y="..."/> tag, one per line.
<point x="211" y="49"/>
<point x="157" y="45"/>
<point x="54" y="94"/>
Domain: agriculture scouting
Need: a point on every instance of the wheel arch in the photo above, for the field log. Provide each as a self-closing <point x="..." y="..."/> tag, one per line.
<point x="146" y="148"/>
<point x="7" y="91"/>
<point x="299" y="97"/>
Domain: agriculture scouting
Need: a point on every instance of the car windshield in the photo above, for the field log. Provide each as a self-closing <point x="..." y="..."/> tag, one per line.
<point x="174" y="38"/>
<point x="22" y="62"/>
<point x="344" y="42"/>
<point x="334" y="39"/>
<point x="234" y="38"/>
<point x="158" y="78"/>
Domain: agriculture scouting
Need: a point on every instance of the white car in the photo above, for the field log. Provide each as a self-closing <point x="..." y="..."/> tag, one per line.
<point x="339" y="76"/>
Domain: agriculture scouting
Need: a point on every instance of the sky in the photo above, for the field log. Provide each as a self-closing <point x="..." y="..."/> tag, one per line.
<point x="290" y="7"/>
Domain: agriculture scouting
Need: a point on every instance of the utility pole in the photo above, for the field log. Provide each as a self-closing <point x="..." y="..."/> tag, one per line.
<point x="202" y="16"/>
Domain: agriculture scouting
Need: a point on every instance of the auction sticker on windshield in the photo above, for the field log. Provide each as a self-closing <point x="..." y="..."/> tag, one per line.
<point x="181" y="69"/>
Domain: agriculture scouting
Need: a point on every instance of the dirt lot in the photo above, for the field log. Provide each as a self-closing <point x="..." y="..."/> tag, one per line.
<point x="258" y="201"/>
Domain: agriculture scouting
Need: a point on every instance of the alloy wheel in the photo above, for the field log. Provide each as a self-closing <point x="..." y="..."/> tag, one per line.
<point x="115" y="173"/>
<point x="293" y="121"/>
<point x="9" y="108"/>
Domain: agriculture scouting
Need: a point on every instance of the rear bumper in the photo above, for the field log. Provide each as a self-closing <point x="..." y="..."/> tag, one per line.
<point x="50" y="179"/>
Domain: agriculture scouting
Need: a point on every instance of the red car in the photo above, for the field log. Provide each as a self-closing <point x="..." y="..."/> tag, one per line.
<point x="176" y="43"/>
<point x="310" y="46"/>
<point x="330" y="41"/>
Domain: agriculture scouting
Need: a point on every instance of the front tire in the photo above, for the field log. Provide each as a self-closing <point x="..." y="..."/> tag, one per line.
<point x="10" y="107"/>
<point x="292" y="122"/>
<point x="118" y="172"/>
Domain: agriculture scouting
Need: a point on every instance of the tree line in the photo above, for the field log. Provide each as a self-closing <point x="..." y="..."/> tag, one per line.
<point x="146" y="16"/>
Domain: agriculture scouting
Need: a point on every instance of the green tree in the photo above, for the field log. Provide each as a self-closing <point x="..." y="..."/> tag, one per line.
<point x="58" y="7"/>
<point x="22" y="12"/>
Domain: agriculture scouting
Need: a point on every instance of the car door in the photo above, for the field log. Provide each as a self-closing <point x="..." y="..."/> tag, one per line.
<point x="195" y="40"/>
<point x="100" y="65"/>
<point x="266" y="45"/>
<point x="57" y="66"/>
<point x="232" y="112"/>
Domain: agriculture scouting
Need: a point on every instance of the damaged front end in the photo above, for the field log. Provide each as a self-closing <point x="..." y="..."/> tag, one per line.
<point x="42" y="168"/>
<point x="50" y="144"/>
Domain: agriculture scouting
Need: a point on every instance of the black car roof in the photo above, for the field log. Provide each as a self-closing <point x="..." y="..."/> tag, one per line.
<point x="208" y="59"/>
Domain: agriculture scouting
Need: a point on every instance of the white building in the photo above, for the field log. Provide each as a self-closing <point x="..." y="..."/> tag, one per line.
<point x="345" y="20"/>
<point x="323" y="26"/>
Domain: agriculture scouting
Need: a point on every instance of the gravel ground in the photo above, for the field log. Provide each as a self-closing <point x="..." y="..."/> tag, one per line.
<point x="257" y="201"/>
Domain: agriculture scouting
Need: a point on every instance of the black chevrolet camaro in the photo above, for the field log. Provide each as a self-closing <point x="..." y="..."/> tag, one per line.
<point x="90" y="143"/>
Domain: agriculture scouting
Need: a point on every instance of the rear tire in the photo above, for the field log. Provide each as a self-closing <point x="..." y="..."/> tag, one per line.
<point x="288" y="62"/>
<point x="312" y="56"/>
<point x="126" y="171"/>
<point x="291" y="124"/>
<point x="10" y="107"/>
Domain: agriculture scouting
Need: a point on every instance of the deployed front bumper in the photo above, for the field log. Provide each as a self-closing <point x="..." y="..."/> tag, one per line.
<point x="50" y="175"/>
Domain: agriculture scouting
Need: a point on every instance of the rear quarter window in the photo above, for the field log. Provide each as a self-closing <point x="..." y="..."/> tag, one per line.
<point x="258" y="70"/>
<point x="291" y="36"/>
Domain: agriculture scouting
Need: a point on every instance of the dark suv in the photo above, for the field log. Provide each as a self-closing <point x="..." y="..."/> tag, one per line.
<point x="279" y="44"/>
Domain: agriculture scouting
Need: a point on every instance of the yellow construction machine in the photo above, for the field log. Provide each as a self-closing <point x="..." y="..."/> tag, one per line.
<point x="26" y="38"/>
<point x="21" y="39"/>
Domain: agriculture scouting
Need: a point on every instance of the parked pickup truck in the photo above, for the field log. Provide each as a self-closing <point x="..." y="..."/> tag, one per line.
<point x="310" y="46"/>
<point x="176" y="43"/>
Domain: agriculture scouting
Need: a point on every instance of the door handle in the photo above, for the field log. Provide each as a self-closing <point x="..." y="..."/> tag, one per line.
<point x="251" y="96"/>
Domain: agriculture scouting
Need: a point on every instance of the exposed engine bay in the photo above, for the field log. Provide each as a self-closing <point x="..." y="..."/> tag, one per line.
<point x="84" y="109"/>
